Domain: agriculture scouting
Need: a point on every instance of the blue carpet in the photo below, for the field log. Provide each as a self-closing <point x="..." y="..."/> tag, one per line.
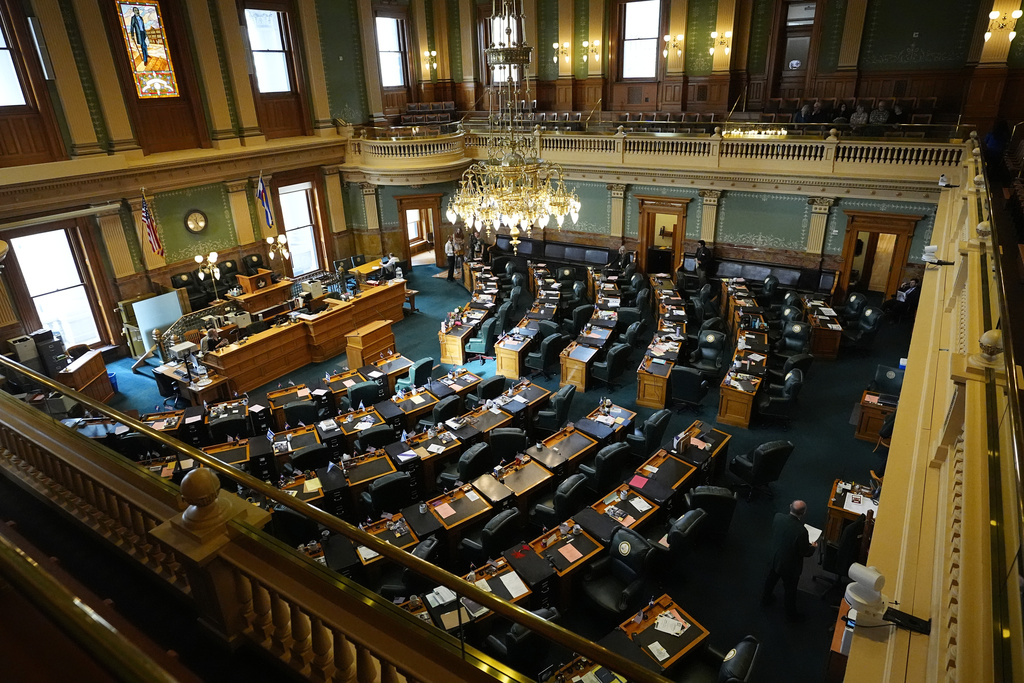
<point x="720" y="584"/>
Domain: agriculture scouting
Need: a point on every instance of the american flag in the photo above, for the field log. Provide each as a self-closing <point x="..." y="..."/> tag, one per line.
<point x="261" y="194"/>
<point x="150" y="223"/>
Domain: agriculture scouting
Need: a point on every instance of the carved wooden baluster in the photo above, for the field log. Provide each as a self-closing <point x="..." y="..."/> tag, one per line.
<point x="388" y="673"/>
<point x="243" y="595"/>
<point x="282" y="617"/>
<point x="301" y="644"/>
<point x="263" y="624"/>
<point x="366" y="666"/>
<point x="344" y="659"/>
<point x="320" y="665"/>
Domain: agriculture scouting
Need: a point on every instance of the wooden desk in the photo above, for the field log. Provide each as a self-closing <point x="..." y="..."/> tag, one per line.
<point x="872" y="415"/>
<point x="448" y="617"/>
<point x="578" y="668"/>
<point x="352" y="423"/>
<point x="623" y="505"/>
<point x="485" y="421"/>
<point x="394" y="531"/>
<point x="88" y="374"/>
<point x="363" y="272"/>
<point x="665" y="471"/>
<point x="279" y="398"/>
<point x="307" y="489"/>
<point x="416" y="406"/>
<point x="394" y="366"/>
<point x="340" y="382"/>
<point x="564" y="450"/>
<point x="167" y="422"/>
<point x="458" y="508"/>
<point x="369" y="343"/>
<point x="508" y="355"/>
<point x="835" y="665"/>
<point x="557" y="547"/>
<point x="453" y="344"/>
<point x="460" y="382"/>
<point x="652" y="383"/>
<point x="263" y="358"/>
<point x="525" y="478"/>
<point x="434" y="451"/>
<point x="234" y="453"/>
<point x="838" y="516"/>
<point x="289" y="442"/>
<point x="708" y="457"/>
<point x="631" y="636"/>
<point x="223" y="410"/>
<point x="218" y="388"/>
<point x="736" y="406"/>
<point x="363" y="469"/>
<point x="621" y="420"/>
<point x="251" y="284"/>
<point x="270" y="295"/>
<point x="576" y="360"/>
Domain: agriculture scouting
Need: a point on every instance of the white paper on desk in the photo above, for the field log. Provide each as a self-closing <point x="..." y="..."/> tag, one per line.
<point x="375" y="374"/>
<point x="255" y="408"/>
<point x="121" y="429"/>
<point x="813" y="533"/>
<point x="470" y="496"/>
<point x="417" y="399"/>
<point x="660" y="653"/>
<point x="366" y="554"/>
<point x="483" y="585"/>
<point x="651" y="469"/>
<point x="435" y="448"/>
<point x="756" y="357"/>
<point x="496" y="411"/>
<point x="302" y="393"/>
<point x="406" y="455"/>
<point x="158" y="425"/>
<point x="667" y="624"/>
<point x="360" y="426"/>
<point x="193" y="419"/>
<point x="319" y="392"/>
<point x="311" y="485"/>
<point x="450" y="620"/>
<point x="605" y="420"/>
<point x="835" y="326"/>
<point x="860" y="508"/>
<point x="519" y="398"/>
<point x="444" y="595"/>
<point x="827" y="311"/>
<point x="640" y="504"/>
<point x="514" y="584"/>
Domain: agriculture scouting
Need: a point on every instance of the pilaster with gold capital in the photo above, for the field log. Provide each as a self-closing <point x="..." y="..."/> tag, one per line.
<point x="709" y="214"/>
<point x="618" y="217"/>
<point x="238" y="201"/>
<point x="370" y="203"/>
<point x="820" y="207"/>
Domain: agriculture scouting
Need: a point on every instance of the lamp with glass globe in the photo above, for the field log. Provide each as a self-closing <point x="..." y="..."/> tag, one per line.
<point x="208" y="266"/>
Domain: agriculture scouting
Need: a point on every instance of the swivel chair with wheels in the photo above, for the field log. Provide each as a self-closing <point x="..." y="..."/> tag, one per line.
<point x="482" y="347"/>
<point x="606" y="470"/>
<point x="488" y="389"/>
<point x="719" y="503"/>
<point x="709" y="357"/>
<point x="616" y="581"/>
<point x="520" y="648"/>
<point x="687" y="387"/>
<point x="477" y="460"/>
<point x="553" y="418"/>
<point x="375" y="437"/>
<point x="651" y="434"/>
<point x="418" y="375"/>
<point x="780" y="400"/>
<point x="761" y="466"/>
<point x="446" y="409"/>
<point x="298" y="413"/>
<point x="500" y="532"/>
<point x="390" y="493"/>
<point x="544" y="358"/>
<point x="612" y="366"/>
<point x="568" y="498"/>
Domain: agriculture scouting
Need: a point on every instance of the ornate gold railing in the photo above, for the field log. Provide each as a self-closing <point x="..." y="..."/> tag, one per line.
<point x="246" y="583"/>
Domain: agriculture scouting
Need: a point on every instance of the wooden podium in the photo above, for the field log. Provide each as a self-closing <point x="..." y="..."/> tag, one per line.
<point x="88" y="374"/>
<point x="251" y="284"/>
<point x="369" y="343"/>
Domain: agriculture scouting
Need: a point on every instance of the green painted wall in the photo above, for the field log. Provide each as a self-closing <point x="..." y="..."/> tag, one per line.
<point x="694" y="209"/>
<point x="428" y="19"/>
<point x="831" y="35"/>
<point x="760" y="30"/>
<point x="355" y="210"/>
<point x="547" y="33"/>
<point x="1015" y="59"/>
<point x="580" y="32"/>
<point x="341" y="45"/>
<point x="701" y="16"/>
<point x="455" y="40"/>
<point x="922" y="233"/>
<point x="170" y="208"/>
<point x="770" y="221"/>
<point x="943" y="27"/>
<point x="388" y="206"/>
<point x="596" y="212"/>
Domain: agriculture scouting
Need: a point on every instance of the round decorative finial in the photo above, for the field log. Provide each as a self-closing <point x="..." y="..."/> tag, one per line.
<point x="991" y="345"/>
<point x="200" y="487"/>
<point x="976" y="152"/>
<point x="984" y="229"/>
<point x="979" y="180"/>
<point x="974" y="135"/>
<point x="833" y="135"/>
<point x="718" y="130"/>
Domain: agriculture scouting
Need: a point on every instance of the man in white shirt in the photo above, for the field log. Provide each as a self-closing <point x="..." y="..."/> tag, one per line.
<point x="449" y="251"/>
<point x="211" y="341"/>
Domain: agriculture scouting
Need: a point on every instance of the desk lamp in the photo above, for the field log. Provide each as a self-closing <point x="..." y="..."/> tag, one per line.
<point x="208" y="266"/>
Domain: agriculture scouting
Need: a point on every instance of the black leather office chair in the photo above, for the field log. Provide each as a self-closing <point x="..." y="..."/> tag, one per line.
<point x="761" y="466"/>
<point x="477" y="460"/>
<point x="572" y="298"/>
<point x="705" y="303"/>
<point x="606" y="470"/>
<point x="680" y="283"/>
<point x="580" y="316"/>
<point x="500" y="532"/>
<point x="616" y="581"/>
<point x="507" y="443"/>
<point x="862" y="335"/>
<point x="310" y="458"/>
<point x="418" y="375"/>
<point x="136" y="446"/>
<point x="481" y="348"/>
<point x="545" y="328"/>
<point x="801" y="362"/>
<point x="683" y="533"/>
<point x="236" y="427"/>
<point x="789" y="314"/>
<point x="409" y="582"/>
<point x="632" y="336"/>
<point x="790" y="299"/>
<point x="795" y="340"/>
<point x="252" y="263"/>
<point x="520" y="648"/>
<point x="515" y="298"/>
<point x="629" y="285"/>
<point x="551" y="419"/>
<point x="769" y="292"/>
<point x="300" y="413"/>
<point x="293" y="528"/>
<point x="780" y="400"/>
<point x="639" y="312"/>
<point x="488" y="389"/>
<point x="358" y="260"/>
<point x="855" y="304"/>
<point x="651" y="434"/>
<point x="547" y="355"/>
<point x="709" y="357"/>
<point x="228" y="274"/>
<point x="628" y="271"/>
<point x="612" y="366"/>
<point x="375" y="437"/>
<point x="719" y="503"/>
<point x="445" y="409"/>
<point x="715" y="324"/>
<point x="198" y="297"/>
<point x="714" y="666"/>
<point x="390" y="493"/>
<point x="365" y="393"/>
<point x="887" y="380"/>
<point x="836" y="557"/>
<point x="687" y="387"/>
<point x="571" y="495"/>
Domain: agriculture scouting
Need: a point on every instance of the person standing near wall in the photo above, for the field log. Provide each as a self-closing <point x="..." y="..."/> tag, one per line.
<point x="449" y="251"/>
<point x="790" y="545"/>
<point x="703" y="258"/>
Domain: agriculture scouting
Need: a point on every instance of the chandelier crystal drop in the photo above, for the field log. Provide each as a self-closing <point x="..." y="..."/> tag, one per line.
<point x="513" y="187"/>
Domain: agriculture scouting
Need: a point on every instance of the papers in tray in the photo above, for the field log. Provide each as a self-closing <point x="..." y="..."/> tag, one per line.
<point x="668" y="624"/>
<point x="640" y="504"/>
<point x="570" y="552"/>
<point x="659" y="652"/>
<point x="859" y="504"/>
<point x="374" y="374"/>
<point x="514" y="584"/>
<point x="826" y="311"/>
<point x="435" y="448"/>
<point x="417" y="399"/>
<point x="445" y="510"/>
<point x="441" y="595"/>
<point x="471" y="496"/>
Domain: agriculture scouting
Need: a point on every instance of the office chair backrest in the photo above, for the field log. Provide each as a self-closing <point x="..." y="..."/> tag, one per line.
<point x="685" y="529"/>
<point x="710" y="346"/>
<point x="515" y="296"/>
<point x="887" y="380"/>
<point x="523" y="643"/>
<point x="681" y="282"/>
<point x="870" y="319"/>
<point x="643" y="302"/>
<point x="476" y="461"/>
<point x="293" y="527"/>
<point x="503" y="530"/>
<point x="633" y="333"/>
<point x="311" y="458"/>
<point x="855" y="304"/>
<point x="366" y="393"/>
<point x="769" y="459"/>
<point x="608" y="464"/>
<point x="447" y="408"/>
<point x="738" y="664"/>
<point x="655" y="426"/>
<point x="502" y="315"/>
<point x="489" y="333"/>
<point x="720" y="504"/>
<point x="420" y="371"/>
<point x="771" y="285"/>
<point x="800" y="361"/>
<point x="686" y="382"/>
<point x="795" y="337"/>
<point x="546" y="329"/>
<point x="492" y="387"/>
<point x="391" y="492"/>
<point x="254" y="262"/>
<point x="791" y="314"/>
<point x="629" y="270"/>
<point x="616" y="359"/>
<point x="236" y="426"/>
<point x="630" y="554"/>
<point x="581" y="314"/>
<point x="566" y="273"/>
<point x="571" y="495"/>
<point x="566" y="394"/>
<point x="358" y="260"/>
<point x="888" y="422"/>
<point x="791" y="298"/>
<point x="305" y="412"/>
<point x="714" y="323"/>
<point x="377" y="436"/>
<point x="552" y="346"/>
<point x="507" y="442"/>
<point x="793" y="383"/>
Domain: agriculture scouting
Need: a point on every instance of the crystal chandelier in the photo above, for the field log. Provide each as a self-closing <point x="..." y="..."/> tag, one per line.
<point x="512" y="187"/>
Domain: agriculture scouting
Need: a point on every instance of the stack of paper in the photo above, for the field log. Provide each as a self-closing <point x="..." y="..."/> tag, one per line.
<point x="514" y="584"/>
<point x="441" y="595"/>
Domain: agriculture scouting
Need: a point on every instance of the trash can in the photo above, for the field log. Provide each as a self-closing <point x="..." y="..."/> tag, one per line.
<point x="113" y="380"/>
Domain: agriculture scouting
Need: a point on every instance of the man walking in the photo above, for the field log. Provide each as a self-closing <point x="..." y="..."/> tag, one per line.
<point x="790" y="546"/>
<point x="449" y="251"/>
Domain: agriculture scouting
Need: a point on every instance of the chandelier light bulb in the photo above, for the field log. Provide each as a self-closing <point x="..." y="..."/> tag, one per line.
<point x="212" y="257"/>
<point x="272" y="254"/>
<point x="1016" y="14"/>
<point x="282" y="239"/>
<point x="728" y="35"/>
<point x="711" y="51"/>
<point x="1013" y="34"/>
<point x="994" y="14"/>
<point x="988" y="34"/>
<point x="199" y="258"/>
<point x="664" y="53"/>
<point x="270" y="240"/>
<point x="714" y="34"/>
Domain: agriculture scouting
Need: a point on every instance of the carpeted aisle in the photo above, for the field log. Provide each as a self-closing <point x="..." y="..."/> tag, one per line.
<point x="719" y="584"/>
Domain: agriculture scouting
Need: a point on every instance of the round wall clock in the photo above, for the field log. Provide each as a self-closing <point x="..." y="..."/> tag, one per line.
<point x="195" y="221"/>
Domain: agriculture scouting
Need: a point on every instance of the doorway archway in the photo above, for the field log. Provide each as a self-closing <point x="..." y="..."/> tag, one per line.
<point x="878" y="264"/>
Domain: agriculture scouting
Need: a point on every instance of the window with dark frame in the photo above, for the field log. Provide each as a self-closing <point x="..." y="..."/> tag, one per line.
<point x="12" y="92"/>
<point x="392" y="51"/>
<point x="271" y="52"/>
<point x="298" y="213"/>
<point x="639" y="39"/>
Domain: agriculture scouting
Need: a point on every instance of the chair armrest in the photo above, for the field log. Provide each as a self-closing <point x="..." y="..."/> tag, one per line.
<point x="588" y="470"/>
<point x="638" y="439"/>
<point x="597" y="567"/>
<point x="470" y="544"/>
<point x="630" y="592"/>
<point x="497" y="645"/>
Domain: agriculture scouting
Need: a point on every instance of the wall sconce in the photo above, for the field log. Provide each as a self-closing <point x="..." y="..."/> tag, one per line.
<point x="673" y="44"/>
<point x="431" y="56"/>
<point x="278" y="247"/>
<point x="208" y="266"/>
<point x="592" y="49"/>
<point x="1002" y="23"/>
<point x="724" y="41"/>
<point x="563" y="50"/>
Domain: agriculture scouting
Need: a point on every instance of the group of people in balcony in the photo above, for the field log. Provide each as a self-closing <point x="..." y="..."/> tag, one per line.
<point x="881" y="115"/>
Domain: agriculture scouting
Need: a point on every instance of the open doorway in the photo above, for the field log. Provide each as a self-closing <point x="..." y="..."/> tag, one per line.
<point x="662" y="231"/>
<point x="420" y="219"/>
<point x="875" y="251"/>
